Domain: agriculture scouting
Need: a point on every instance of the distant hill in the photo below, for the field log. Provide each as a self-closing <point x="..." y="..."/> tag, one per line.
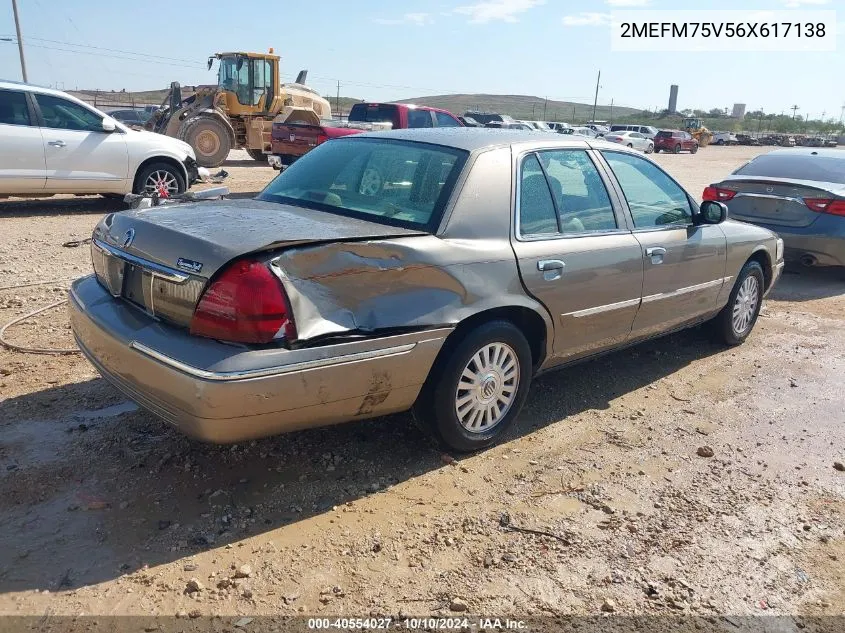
<point x="522" y="107"/>
<point x="517" y="106"/>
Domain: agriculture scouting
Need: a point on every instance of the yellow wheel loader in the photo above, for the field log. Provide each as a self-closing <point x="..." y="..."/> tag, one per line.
<point x="697" y="129"/>
<point x="239" y="111"/>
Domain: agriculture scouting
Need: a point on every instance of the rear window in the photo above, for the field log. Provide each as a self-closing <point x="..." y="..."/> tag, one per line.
<point x="374" y="113"/>
<point x="796" y="166"/>
<point x="664" y="134"/>
<point x="399" y="183"/>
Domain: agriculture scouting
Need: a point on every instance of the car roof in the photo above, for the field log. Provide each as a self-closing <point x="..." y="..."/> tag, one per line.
<point x="829" y="152"/>
<point x="18" y="85"/>
<point x="474" y="139"/>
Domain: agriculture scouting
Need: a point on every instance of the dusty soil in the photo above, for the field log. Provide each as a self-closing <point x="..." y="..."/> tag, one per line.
<point x="599" y="503"/>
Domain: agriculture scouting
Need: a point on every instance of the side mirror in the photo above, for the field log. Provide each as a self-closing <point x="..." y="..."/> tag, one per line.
<point x="108" y="125"/>
<point x="712" y="212"/>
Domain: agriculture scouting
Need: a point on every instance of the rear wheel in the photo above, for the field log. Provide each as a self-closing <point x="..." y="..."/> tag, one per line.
<point x="158" y="177"/>
<point x="650" y="148"/>
<point x="736" y="320"/>
<point x="210" y="140"/>
<point x="678" y="148"/>
<point x="720" y="142"/>
<point x="693" y="149"/>
<point x="631" y="145"/>
<point x="257" y="154"/>
<point x="473" y="395"/>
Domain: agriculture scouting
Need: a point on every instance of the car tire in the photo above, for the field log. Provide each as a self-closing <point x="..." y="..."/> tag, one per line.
<point x="159" y="172"/>
<point x="649" y="149"/>
<point x="506" y="355"/>
<point x="720" y="142"/>
<point x="656" y="150"/>
<point x="631" y="145"/>
<point x="678" y="148"/>
<point x="693" y="149"/>
<point x="257" y="155"/>
<point x="736" y="320"/>
<point x="209" y="138"/>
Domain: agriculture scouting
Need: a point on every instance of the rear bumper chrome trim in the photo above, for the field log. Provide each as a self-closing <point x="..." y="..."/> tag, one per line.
<point x="158" y="270"/>
<point x="269" y="371"/>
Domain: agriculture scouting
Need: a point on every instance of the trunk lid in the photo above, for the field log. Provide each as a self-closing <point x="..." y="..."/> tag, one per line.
<point x="776" y="201"/>
<point x="160" y="259"/>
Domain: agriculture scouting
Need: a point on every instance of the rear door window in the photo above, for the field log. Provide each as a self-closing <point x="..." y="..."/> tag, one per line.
<point x="419" y="118"/>
<point x="374" y="113"/>
<point x="13" y="108"/>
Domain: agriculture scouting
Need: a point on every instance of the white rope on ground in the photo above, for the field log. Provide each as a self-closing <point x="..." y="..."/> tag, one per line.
<point x="34" y="350"/>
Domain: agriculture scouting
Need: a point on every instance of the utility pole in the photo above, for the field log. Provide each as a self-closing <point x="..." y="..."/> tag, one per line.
<point x="337" y="101"/>
<point x="596" y="100"/>
<point x="794" y="109"/>
<point x="20" y="39"/>
<point x="611" y="111"/>
<point x="573" y="114"/>
<point x="533" y="105"/>
<point x="841" y="114"/>
<point x="545" y="105"/>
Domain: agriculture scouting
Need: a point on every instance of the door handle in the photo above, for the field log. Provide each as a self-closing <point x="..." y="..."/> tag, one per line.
<point x="57" y="143"/>
<point x="552" y="269"/>
<point x="656" y="254"/>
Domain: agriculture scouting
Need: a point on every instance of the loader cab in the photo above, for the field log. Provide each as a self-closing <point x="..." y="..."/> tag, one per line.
<point x="249" y="82"/>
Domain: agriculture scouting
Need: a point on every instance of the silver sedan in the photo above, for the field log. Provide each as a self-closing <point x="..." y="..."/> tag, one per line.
<point x="634" y="140"/>
<point x="433" y="270"/>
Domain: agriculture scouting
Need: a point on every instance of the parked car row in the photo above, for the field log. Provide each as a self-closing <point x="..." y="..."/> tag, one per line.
<point x="54" y="143"/>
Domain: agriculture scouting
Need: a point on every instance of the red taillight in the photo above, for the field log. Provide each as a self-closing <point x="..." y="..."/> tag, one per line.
<point x="717" y="194"/>
<point x="245" y="304"/>
<point x="322" y="138"/>
<point x="825" y="205"/>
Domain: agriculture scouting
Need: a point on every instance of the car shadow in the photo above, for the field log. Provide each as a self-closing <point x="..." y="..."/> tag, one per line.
<point x="799" y="283"/>
<point x="89" y="495"/>
<point x="239" y="162"/>
<point x="34" y="207"/>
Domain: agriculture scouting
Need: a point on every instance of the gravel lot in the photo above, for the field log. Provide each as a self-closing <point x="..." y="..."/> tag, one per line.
<point x="599" y="503"/>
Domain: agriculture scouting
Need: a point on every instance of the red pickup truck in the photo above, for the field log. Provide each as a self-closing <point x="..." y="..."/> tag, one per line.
<point x="289" y="141"/>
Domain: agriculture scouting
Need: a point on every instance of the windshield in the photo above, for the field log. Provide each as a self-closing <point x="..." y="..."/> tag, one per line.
<point x="796" y="166"/>
<point x="400" y="183"/>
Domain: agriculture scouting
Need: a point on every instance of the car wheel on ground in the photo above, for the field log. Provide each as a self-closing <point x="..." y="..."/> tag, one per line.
<point x="473" y="395"/>
<point x="736" y="320"/>
<point x="678" y="148"/>
<point x="693" y="149"/>
<point x="721" y="141"/>
<point x="631" y="145"/>
<point x="157" y="177"/>
<point x="257" y="154"/>
<point x="210" y="140"/>
<point x="650" y="148"/>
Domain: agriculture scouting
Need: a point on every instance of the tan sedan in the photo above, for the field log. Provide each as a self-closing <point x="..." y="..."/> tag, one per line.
<point x="439" y="270"/>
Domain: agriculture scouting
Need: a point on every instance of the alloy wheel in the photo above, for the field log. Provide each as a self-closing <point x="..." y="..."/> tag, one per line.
<point x="160" y="181"/>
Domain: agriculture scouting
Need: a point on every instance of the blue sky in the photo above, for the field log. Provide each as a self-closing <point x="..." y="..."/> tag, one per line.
<point x="384" y="50"/>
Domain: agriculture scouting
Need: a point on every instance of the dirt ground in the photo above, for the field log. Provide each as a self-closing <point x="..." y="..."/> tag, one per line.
<point x="598" y="503"/>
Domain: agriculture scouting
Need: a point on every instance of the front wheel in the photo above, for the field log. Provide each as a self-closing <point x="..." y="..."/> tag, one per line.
<point x="631" y="145"/>
<point x="473" y="395"/>
<point x="736" y="320"/>
<point x="159" y="178"/>
<point x="693" y="149"/>
<point x="209" y="138"/>
<point x="649" y="149"/>
<point x="678" y="148"/>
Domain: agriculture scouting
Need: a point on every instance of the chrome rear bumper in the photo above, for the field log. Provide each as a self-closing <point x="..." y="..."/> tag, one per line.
<point x="224" y="393"/>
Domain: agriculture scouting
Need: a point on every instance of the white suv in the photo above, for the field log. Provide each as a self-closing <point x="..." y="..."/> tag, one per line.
<point x="53" y="143"/>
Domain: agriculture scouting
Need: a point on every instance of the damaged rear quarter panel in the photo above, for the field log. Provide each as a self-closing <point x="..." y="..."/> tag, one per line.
<point x="415" y="281"/>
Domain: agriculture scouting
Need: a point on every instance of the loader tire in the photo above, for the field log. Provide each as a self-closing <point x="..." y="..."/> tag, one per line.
<point x="210" y="140"/>
<point x="257" y="154"/>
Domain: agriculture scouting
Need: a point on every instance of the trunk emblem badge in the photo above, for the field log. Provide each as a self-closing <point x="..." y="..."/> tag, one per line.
<point x="128" y="237"/>
<point x="769" y="189"/>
